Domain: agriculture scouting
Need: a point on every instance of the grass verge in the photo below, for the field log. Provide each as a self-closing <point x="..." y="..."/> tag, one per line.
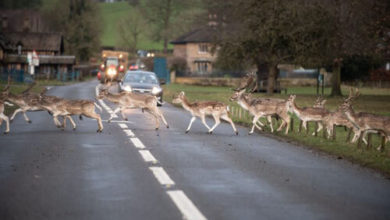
<point x="370" y="100"/>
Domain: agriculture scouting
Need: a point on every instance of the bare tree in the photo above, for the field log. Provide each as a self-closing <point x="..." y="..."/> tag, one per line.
<point x="130" y="29"/>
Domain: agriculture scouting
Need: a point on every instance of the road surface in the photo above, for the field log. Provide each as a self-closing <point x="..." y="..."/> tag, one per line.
<point x="131" y="171"/>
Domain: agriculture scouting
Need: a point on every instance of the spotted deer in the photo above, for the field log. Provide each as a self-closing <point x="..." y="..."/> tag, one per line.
<point x="128" y="100"/>
<point x="261" y="107"/>
<point x="26" y="101"/>
<point x="67" y="108"/>
<point x="202" y="109"/>
<point x="366" y="122"/>
<point x="307" y="114"/>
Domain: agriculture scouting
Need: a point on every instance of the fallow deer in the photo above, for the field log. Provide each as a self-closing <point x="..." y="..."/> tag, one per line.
<point x="307" y="114"/>
<point x="202" y="109"/>
<point x="260" y="107"/>
<point x="26" y="101"/>
<point x="66" y="108"/>
<point x="366" y="122"/>
<point x="128" y="100"/>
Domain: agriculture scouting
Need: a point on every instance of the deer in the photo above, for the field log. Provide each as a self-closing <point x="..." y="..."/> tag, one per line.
<point x="66" y="108"/>
<point x="338" y="118"/>
<point x="4" y="117"/>
<point x="261" y="107"/>
<point x="26" y="101"/>
<point x="128" y="100"/>
<point x="202" y="109"/>
<point x="307" y="114"/>
<point x="366" y="122"/>
<point x="318" y="103"/>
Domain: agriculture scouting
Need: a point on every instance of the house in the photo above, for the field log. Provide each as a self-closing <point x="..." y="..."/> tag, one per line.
<point x="24" y="32"/>
<point x="195" y="48"/>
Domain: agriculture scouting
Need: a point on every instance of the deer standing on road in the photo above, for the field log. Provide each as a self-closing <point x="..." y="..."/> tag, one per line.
<point x="202" y="109"/>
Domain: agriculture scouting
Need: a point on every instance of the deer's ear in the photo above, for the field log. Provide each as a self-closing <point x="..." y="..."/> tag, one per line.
<point x="182" y="93"/>
<point x="323" y="102"/>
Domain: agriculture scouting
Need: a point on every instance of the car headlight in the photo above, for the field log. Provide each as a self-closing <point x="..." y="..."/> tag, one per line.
<point x="127" y="88"/>
<point x="156" y="90"/>
<point x="111" y="72"/>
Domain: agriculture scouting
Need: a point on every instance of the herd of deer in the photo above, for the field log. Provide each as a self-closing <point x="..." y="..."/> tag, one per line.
<point x="360" y="123"/>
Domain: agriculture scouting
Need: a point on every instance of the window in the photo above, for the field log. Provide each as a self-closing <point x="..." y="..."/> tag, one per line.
<point x="203" y="48"/>
<point x="202" y="66"/>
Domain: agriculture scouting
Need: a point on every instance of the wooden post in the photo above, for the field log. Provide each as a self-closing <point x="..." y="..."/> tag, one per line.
<point x="369" y="141"/>
<point x="383" y="141"/>
<point x="349" y="135"/>
<point x="334" y="133"/>
<point x="292" y="124"/>
<point x="240" y="113"/>
<point x="315" y="129"/>
<point x="300" y="126"/>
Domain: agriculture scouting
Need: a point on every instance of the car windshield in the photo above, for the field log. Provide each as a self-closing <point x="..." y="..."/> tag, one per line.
<point x="135" y="77"/>
<point x="112" y="62"/>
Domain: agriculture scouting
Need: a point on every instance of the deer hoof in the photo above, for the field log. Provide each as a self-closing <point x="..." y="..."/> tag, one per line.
<point x="11" y="120"/>
<point x="250" y="133"/>
<point x="74" y="129"/>
<point x="236" y="132"/>
<point x="6" y="132"/>
<point x="109" y="121"/>
<point x="156" y="129"/>
<point x="210" y="132"/>
<point x="187" y="132"/>
<point x="29" y="121"/>
<point x="167" y="126"/>
<point x="126" y="119"/>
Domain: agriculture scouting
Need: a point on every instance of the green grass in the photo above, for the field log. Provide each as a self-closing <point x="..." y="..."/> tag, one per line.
<point x="111" y="14"/>
<point x="370" y="100"/>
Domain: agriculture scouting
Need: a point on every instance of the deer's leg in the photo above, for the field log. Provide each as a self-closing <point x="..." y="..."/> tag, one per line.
<point x="255" y="119"/>
<point x="160" y="114"/>
<point x="56" y="121"/>
<point x="6" y="119"/>
<point x="217" y="122"/>
<point x="356" y="136"/>
<point x="288" y="122"/>
<point x="269" y="118"/>
<point x="203" y="118"/>
<point x="96" y="116"/>
<point x="320" y="126"/>
<point x="24" y="114"/>
<point x="71" y="121"/>
<point x="228" y="119"/>
<point x="64" y="122"/>
<point x="192" y="121"/>
<point x="115" y="111"/>
<point x="123" y="113"/>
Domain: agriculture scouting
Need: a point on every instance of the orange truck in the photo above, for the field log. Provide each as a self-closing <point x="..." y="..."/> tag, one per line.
<point x="113" y="66"/>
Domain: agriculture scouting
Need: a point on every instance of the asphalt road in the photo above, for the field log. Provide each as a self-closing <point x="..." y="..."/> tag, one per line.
<point x="131" y="171"/>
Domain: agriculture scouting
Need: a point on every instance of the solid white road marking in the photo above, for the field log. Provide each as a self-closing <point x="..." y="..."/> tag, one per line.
<point x="162" y="176"/>
<point x="147" y="156"/>
<point x="137" y="143"/>
<point x="123" y="126"/>
<point x="184" y="204"/>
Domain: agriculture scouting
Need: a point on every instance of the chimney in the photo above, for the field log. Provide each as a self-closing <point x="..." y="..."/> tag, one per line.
<point x="4" y="23"/>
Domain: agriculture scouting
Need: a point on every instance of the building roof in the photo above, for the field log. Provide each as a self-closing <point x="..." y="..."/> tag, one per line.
<point x="36" y="41"/>
<point x="200" y="35"/>
<point x="18" y="20"/>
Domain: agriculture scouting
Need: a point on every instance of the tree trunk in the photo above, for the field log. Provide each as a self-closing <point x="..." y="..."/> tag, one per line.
<point x="272" y="74"/>
<point x="336" y="78"/>
<point x="261" y="75"/>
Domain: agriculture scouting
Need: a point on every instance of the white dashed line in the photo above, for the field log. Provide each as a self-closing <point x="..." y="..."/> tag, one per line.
<point x="137" y="143"/>
<point x="162" y="176"/>
<point x="129" y="132"/>
<point x="182" y="202"/>
<point x="123" y="126"/>
<point x="186" y="207"/>
<point x="147" y="156"/>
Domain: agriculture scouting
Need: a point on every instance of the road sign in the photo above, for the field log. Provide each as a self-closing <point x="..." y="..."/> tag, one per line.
<point x="35" y="58"/>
